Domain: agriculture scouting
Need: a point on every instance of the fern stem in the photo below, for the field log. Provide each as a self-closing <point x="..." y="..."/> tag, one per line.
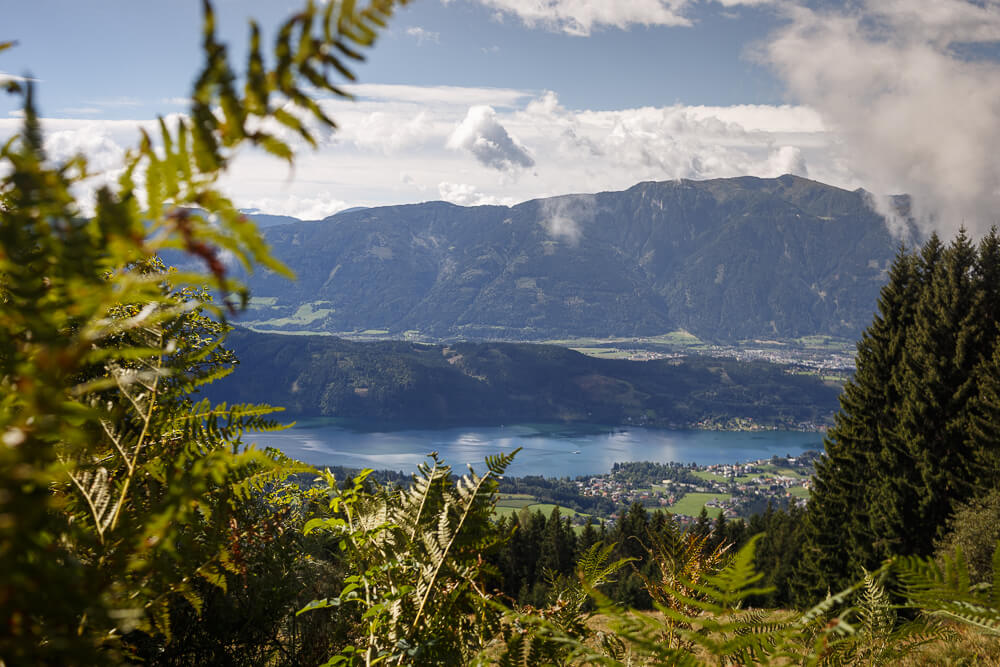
<point x="423" y="501"/>
<point x="147" y="419"/>
<point x="444" y="555"/>
<point x="93" y="509"/>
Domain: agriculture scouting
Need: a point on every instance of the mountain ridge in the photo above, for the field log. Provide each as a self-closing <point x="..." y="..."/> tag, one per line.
<point x="726" y="259"/>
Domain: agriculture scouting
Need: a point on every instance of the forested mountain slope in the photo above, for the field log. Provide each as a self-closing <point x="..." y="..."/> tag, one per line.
<point x="468" y="383"/>
<point x="726" y="259"/>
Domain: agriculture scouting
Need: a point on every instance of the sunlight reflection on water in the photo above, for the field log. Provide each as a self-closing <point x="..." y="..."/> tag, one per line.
<point x="552" y="451"/>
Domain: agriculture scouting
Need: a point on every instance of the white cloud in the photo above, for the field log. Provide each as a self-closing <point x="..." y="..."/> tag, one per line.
<point x="387" y="132"/>
<point x="914" y="116"/>
<point x="393" y="148"/>
<point x="763" y="118"/>
<point x="438" y="95"/>
<point x="317" y="207"/>
<point x="563" y="217"/>
<point x="788" y="160"/>
<point x="94" y="140"/>
<point x="121" y="101"/>
<point x="482" y="135"/>
<point x="580" y="17"/>
<point x="101" y="142"/>
<point x="423" y="36"/>
<point x="464" y="194"/>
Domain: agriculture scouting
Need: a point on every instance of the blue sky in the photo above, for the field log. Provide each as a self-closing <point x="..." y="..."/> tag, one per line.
<point x="114" y="56"/>
<point x="497" y="101"/>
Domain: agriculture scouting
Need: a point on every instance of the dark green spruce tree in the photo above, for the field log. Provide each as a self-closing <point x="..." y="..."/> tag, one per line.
<point x="837" y="520"/>
<point x="937" y="381"/>
<point x="915" y="435"/>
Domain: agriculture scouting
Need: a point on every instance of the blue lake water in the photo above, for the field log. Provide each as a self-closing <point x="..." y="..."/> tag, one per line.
<point x="548" y="450"/>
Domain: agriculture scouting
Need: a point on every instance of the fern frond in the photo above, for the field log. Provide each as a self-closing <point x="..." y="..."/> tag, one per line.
<point x="947" y="592"/>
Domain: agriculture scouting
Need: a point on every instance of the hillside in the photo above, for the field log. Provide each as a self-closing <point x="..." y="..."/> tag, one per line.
<point x="727" y="259"/>
<point x="469" y="383"/>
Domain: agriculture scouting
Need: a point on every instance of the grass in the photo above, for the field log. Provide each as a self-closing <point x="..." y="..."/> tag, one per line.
<point x="692" y="503"/>
<point x="604" y="352"/>
<point x="679" y="337"/>
<point x="821" y="342"/>
<point x="546" y="509"/>
<point x="252" y="326"/>
<point x="799" y="492"/>
<point x="516" y="504"/>
<point x="305" y="314"/>
<point x="513" y="503"/>
<point x="515" y="500"/>
<point x="968" y="646"/>
<point x="784" y="472"/>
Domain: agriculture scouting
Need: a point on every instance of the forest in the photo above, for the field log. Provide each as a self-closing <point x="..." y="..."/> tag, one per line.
<point x="495" y="383"/>
<point x="136" y="526"/>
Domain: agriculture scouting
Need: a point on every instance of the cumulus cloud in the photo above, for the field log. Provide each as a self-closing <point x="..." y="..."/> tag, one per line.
<point x="464" y="194"/>
<point x="401" y="144"/>
<point x="482" y="135"/>
<point x="788" y="160"/>
<point x="386" y="132"/>
<point x="103" y="143"/>
<point x="94" y="140"/>
<point x="580" y="17"/>
<point x="913" y="114"/>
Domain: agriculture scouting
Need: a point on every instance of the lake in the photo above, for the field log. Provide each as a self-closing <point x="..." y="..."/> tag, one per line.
<point x="548" y="450"/>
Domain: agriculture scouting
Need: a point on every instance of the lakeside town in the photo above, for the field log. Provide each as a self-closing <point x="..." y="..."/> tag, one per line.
<point x="824" y="356"/>
<point x="734" y="489"/>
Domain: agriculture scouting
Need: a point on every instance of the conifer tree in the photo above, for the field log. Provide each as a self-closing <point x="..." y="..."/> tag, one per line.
<point x="588" y="537"/>
<point x="937" y="380"/>
<point x="917" y="431"/>
<point x="837" y="521"/>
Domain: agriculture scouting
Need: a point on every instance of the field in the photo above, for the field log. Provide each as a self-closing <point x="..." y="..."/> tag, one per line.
<point x="692" y="503"/>
<point x="512" y="503"/>
<point x="784" y="472"/>
<point x="604" y="352"/>
<point x="305" y="314"/>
